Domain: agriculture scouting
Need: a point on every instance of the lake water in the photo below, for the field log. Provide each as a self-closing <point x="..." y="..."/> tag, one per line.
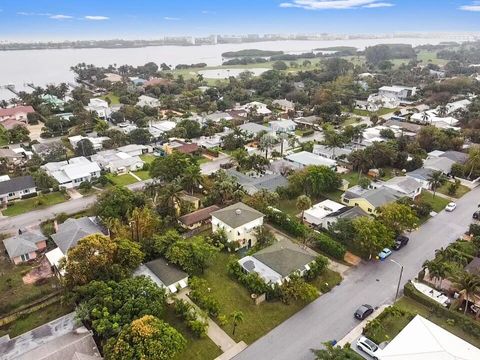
<point x="42" y="67"/>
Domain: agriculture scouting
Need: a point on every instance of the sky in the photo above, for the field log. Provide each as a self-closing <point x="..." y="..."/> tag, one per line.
<point x="32" y="20"/>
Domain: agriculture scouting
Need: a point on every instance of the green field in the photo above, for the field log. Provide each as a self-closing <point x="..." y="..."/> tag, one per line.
<point x="114" y="98"/>
<point x="123" y="180"/>
<point x="39" y="202"/>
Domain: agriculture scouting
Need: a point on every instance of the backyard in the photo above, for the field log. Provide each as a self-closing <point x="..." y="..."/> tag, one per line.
<point x="123" y="180"/>
<point x="143" y="174"/>
<point x="258" y="319"/>
<point x="38" y="202"/>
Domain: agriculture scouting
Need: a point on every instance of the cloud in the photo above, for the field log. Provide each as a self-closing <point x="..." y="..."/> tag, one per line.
<point x="334" y="4"/>
<point x="206" y="12"/>
<point x="475" y="6"/>
<point x="96" y="17"/>
<point x="24" y="13"/>
<point x="169" y="18"/>
<point x="61" y="17"/>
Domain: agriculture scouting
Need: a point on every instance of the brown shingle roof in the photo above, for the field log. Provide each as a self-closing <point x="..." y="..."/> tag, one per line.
<point x="197" y="216"/>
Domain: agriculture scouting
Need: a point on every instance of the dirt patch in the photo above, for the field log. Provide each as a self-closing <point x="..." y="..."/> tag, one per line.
<point x="351" y="259"/>
<point x="42" y="271"/>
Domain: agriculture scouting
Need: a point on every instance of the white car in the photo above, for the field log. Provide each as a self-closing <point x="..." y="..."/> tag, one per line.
<point x="450" y="207"/>
<point x="369" y="347"/>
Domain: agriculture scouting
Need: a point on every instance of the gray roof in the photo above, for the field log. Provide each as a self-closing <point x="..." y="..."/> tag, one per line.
<point x="72" y="230"/>
<point x="323" y="150"/>
<point x="473" y="266"/>
<point x="17" y="184"/>
<point x="268" y="182"/>
<point x="348" y="213"/>
<point x="285" y="257"/>
<point x="168" y="274"/>
<point x="307" y="120"/>
<point x="377" y="197"/>
<point x="237" y="215"/>
<point x="407" y="126"/>
<point x="442" y="164"/>
<point x="404" y="183"/>
<point x="22" y="244"/>
<point x="41" y="148"/>
<point x="421" y="173"/>
<point x="457" y="156"/>
<point x="254" y="128"/>
<point x="60" y="339"/>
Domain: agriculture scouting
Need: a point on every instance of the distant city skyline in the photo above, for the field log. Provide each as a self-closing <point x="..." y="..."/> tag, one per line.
<point x="32" y="20"/>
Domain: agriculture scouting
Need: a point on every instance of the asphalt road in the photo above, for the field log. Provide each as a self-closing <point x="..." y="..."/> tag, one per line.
<point x="331" y="316"/>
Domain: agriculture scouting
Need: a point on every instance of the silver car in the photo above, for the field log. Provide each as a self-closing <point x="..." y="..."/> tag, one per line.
<point x="369" y="347"/>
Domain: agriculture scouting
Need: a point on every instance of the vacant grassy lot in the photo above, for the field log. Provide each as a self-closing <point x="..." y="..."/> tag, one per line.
<point x="123" y="180"/>
<point x="462" y="190"/>
<point x="113" y="98"/>
<point x="438" y="203"/>
<point x="41" y="201"/>
<point x="258" y="320"/>
<point x="143" y="174"/>
<point x="35" y="319"/>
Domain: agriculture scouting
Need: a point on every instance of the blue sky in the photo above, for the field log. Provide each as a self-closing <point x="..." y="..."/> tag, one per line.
<point x="104" y="19"/>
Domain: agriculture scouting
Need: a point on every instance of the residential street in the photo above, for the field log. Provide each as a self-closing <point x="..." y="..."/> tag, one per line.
<point x="331" y="316"/>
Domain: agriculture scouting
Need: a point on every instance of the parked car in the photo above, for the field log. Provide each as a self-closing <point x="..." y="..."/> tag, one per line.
<point x="476" y="215"/>
<point x="450" y="207"/>
<point x="385" y="253"/>
<point x="363" y="311"/>
<point x="369" y="347"/>
<point x="400" y="242"/>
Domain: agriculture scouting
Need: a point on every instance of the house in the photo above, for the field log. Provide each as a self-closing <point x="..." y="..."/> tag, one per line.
<point x="318" y="212"/>
<point x="283" y="126"/>
<point x="253" y="184"/>
<point x="158" y="128"/>
<point x="456" y="156"/>
<point x="10" y="124"/>
<point x="403" y="126"/>
<point x="53" y="101"/>
<point x="218" y="116"/>
<point x="100" y="107"/>
<point x="473" y="267"/>
<point x="305" y="158"/>
<point x="369" y="200"/>
<point x="346" y="213"/>
<point x="45" y="149"/>
<point x="276" y="263"/>
<point x="64" y="338"/>
<point x="19" y="113"/>
<point x="154" y="81"/>
<point x="253" y="129"/>
<point x="366" y="105"/>
<point x="180" y="146"/>
<point x="197" y="218"/>
<point x="239" y="222"/>
<point x="10" y="156"/>
<point x="135" y="149"/>
<point x="113" y="78"/>
<point x="25" y="246"/>
<point x="72" y="230"/>
<point x="73" y="172"/>
<point x="331" y="153"/>
<point x="144" y="100"/>
<point x="97" y="142"/>
<point x="385" y="101"/>
<point x="422" y="339"/>
<point x="401" y="93"/>
<point x="117" y="162"/>
<point x="284" y="104"/>
<point x="256" y="107"/>
<point x="165" y="275"/>
<point x="442" y="164"/>
<point x="307" y="121"/>
<point x="17" y="188"/>
<point x="422" y="175"/>
<point x="408" y="186"/>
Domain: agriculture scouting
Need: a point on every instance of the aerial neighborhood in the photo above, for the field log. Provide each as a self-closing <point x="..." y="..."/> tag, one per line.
<point x="153" y="212"/>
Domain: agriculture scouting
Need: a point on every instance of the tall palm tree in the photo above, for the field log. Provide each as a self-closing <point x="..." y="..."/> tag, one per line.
<point x="437" y="270"/>
<point x="237" y="318"/>
<point x="333" y="140"/>
<point x="192" y="178"/>
<point x="473" y="161"/>
<point x="435" y="180"/>
<point x="442" y="111"/>
<point x="468" y="284"/>
<point x="282" y="137"/>
<point x="303" y="203"/>
<point x="266" y="143"/>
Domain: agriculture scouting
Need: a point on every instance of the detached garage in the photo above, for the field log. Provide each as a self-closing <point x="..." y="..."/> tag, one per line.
<point x="164" y="274"/>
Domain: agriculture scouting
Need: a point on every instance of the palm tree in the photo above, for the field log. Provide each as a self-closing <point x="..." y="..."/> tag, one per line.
<point x="266" y="143"/>
<point x="442" y="111"/>
<point x="467" y="283"/>
<point x="282" y="137"/>
<point x="237" y="318"/>
<point x="425" y="117"/>
<point x="292" y="141"/>
<point x="437" y="270"/>
<point x="435" y="180"/>
<point x="333" y="140"/>
<point x="170" y="196"/>
<point x="192" y="178"/>
<point x="303" y="203"/>
<point x="473" y="159"/>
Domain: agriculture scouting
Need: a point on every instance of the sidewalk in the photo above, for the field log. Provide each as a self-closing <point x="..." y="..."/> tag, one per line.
<point x="229" y="347"/>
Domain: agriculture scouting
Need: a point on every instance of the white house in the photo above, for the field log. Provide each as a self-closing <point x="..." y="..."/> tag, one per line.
<point x="117" y="161"/>
<point x="100" y="107"/>
<point x="164" y="274"/>
<point x="218" y="116"/>
<point x="283" y="126"/>
<point x="405" y="185"/>
<point x="401" y="93"/>
<point x="135" y="149"/>
<point x="284" y="104"/>
<point x="305" y="158"/>
<point x="431" y="117"/>
<point x="330" y="153"/>
<point x="144" y="100"/>
<point x="258" y="107"/>
<point x="239" y="222"/>
<point x="73" y="172"/>
<point x="97" y="142"/>
<point x="16" y="188"/>
<point x="318" y="212"/>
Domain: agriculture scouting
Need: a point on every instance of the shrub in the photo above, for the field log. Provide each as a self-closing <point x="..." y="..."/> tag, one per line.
<point x="252" y="281"/>
<point x="330" y="246"/>
<point x="316" y="268"/>
<point x="198" y="327"/>
<point x="85" y="185"/>
<point x="29" y="196"/>
<point x="308" y="132"/>
<point x="474" y="229"/>
<point x="202" y="297"/>
<point x="288" y="223"/>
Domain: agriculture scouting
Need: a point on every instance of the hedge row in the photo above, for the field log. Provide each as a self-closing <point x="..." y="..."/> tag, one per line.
<point x="287" y="223"/>
<point x="330" y="247"/>
<point x="466" y="324"/>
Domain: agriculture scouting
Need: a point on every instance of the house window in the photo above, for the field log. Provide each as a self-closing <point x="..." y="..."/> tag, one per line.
<point x="346" y="201"/>
<point x="25" y="257"/>
<point x="356" y="204"/>
<point x="11" y="194"/>
<point x="369" y="210"/>
<point x="26" y="191"/>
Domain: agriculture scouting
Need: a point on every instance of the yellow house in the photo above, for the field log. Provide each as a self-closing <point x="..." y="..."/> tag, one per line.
<point x="369" y="200"/>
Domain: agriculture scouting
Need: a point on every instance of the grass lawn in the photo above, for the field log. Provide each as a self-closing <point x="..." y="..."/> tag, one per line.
<point x="123" y="180"/>
<point x="380" y="112"/>
<point x="258" y="320"/>
<point x="203" y="160"/>
<point x="114" y="98"/>
<point x="147" y="158"/>
<point x="289" y="206"/>
<point x="143" y="174"/>
<point x="23" y="206"/>
<point x="462" y="190"/>
<point x="13" y="292"/>
<point x="438" y="203"/>
<point x="197" y="349"/>
<point x="414" y="307"/>
<point x="35" y="319"/>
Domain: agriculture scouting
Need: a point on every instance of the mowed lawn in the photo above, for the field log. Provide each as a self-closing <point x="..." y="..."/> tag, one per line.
<point x="123" y="180"/>
<point x="143" y="174"/>
<point x="462" y="190"/>
<point x="233" y="296"/>
<point x="438" y="203"/>
<point x="23" y="206"/>
<point x="148" y="158"/>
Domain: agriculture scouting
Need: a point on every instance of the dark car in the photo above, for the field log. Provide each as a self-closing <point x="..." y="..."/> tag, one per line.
<point x="476" y="215"/>
<point x="363" y="311"/>
<point x="400" y="242"/>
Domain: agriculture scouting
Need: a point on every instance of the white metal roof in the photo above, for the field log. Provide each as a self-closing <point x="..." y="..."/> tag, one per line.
<point x="307" y="158"/>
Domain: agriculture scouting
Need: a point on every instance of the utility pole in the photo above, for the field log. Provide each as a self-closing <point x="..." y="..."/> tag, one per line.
<point x="399" y="278"/>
